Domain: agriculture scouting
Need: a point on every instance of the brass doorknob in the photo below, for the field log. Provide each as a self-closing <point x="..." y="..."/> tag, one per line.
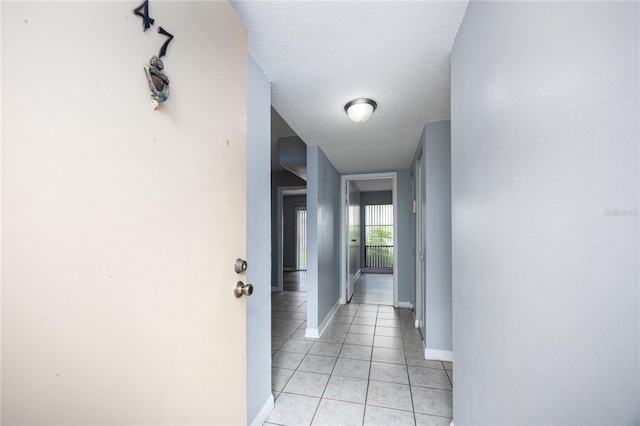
<point x="242" y="288"/>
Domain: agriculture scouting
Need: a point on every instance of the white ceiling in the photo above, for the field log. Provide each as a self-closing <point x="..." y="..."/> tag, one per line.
<point x="318" y="55"/>
<point x="372" y="185"/>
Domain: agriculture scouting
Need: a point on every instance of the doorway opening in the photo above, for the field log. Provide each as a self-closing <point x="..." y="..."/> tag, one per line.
<point x="368" y="255"/>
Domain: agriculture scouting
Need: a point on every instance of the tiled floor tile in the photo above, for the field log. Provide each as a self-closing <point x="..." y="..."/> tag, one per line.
<point x="447" y="365"/>
<point x="389" y="395"/>
<point x="293" y="410"/>
<point x="342" y="413"/>
<point x="377" y="416"/>
<point x="362" y="329"/>
<point x="317" y="364"/>
<point x="388" y="323"/>
<point x="416" y="358"/>
<point x="412" y="344"/>
<point x="277" y="342"/>
<point x="292" y="323"/>
<point x="395" y="356"/>
<point x="346" y="389"/>
<point x="387" y="342"/>
<point x="300" y="346"/>
<point x="385" y="372"/>
<point x="333" y="336"/>
<point x="429" y="377"/>
<point x="450" y="374"/>
<point x="364" y="321"/>
<point x="288" y="360"/>
<point x="342" y="319"/>
<point x="325" y="349"/>
<point x="432" y="401"/>
<point x="359" y="339"/>
<point x="366" y="314"/>
<point x="388" y="315"/>
<point x="279" y="378"/>
<point x="352" y="368"/>
<point x="338" y="327"/>
<point x="427" y="420"/>
<point x="296" y="315"/>
<point x="283" y="331"/>
<point x="355" y="352"/>
<point x="364" y="307"/>
<point x="388" y="331"/>
<point x="310" y="384"/>
<point x="300" y="333"/>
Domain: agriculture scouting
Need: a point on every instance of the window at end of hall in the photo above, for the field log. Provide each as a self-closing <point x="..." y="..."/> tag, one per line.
<point x="378" y="221"/>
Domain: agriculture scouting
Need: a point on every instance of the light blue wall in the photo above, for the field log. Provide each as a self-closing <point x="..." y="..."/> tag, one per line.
<point x="545" y="130"/>
<point x="258" y="241"/>
<point x="436" y="142"/>
<point x="405" y="239"/>
<point x="279" y="179"/>
<point x="323" y="219"/>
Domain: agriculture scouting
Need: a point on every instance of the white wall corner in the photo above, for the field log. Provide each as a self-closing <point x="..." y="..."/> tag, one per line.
<point x="438" y="355"/>
<point x="264" y="412"/>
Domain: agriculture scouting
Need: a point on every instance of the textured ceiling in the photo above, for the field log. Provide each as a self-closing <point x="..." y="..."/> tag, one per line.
<point x="318" y="55"/>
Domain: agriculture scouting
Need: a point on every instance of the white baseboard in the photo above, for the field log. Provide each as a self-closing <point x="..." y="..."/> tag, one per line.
<point x="357" y="275"/>
<point x="315" y="333"/>
<point x="438" y="355"/>
<point x="417" y="324"/>
<point x="405" y="305"/>
<point x="264" y="412"/>
<point x="312" y="333"/>
<point x="328" y="318"/>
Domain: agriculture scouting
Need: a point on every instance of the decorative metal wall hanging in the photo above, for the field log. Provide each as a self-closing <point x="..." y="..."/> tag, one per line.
<point x="157" y="79"/>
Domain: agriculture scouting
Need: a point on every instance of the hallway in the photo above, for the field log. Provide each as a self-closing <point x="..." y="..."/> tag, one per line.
<point x="367" y="368"/>
<point x="375" y="289"/>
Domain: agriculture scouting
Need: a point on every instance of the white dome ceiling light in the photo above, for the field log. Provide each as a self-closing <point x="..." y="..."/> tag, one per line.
<point x="360" y="109"/>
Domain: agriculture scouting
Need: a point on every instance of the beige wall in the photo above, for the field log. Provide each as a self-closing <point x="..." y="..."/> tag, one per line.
<point x="112" y="216"/>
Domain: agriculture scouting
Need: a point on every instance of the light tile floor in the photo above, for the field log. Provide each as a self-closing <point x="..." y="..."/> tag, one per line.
<point x="366" y="369"/>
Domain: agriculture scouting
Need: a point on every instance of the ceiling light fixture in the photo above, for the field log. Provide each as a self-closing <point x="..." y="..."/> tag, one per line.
<point x="360" y="109"/>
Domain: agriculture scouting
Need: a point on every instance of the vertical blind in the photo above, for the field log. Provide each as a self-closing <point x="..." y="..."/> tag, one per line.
<point x="378" y="221"/>
<point x="301" y="240"/>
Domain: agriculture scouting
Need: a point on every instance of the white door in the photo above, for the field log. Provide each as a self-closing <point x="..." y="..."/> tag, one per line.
<point x="121" y="224"/>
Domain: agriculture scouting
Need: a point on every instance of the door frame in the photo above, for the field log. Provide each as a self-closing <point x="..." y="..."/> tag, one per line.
<point x="282" y="191"/>
<point x="344" y="232"/>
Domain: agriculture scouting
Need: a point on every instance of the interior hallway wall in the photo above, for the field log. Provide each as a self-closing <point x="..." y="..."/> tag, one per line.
<point x="323" y="239"/>
<point x="436" y="142"/>
<point x="405" y="209"/>
<point x="258" y="241"/>
<point x="545" y="131"/>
